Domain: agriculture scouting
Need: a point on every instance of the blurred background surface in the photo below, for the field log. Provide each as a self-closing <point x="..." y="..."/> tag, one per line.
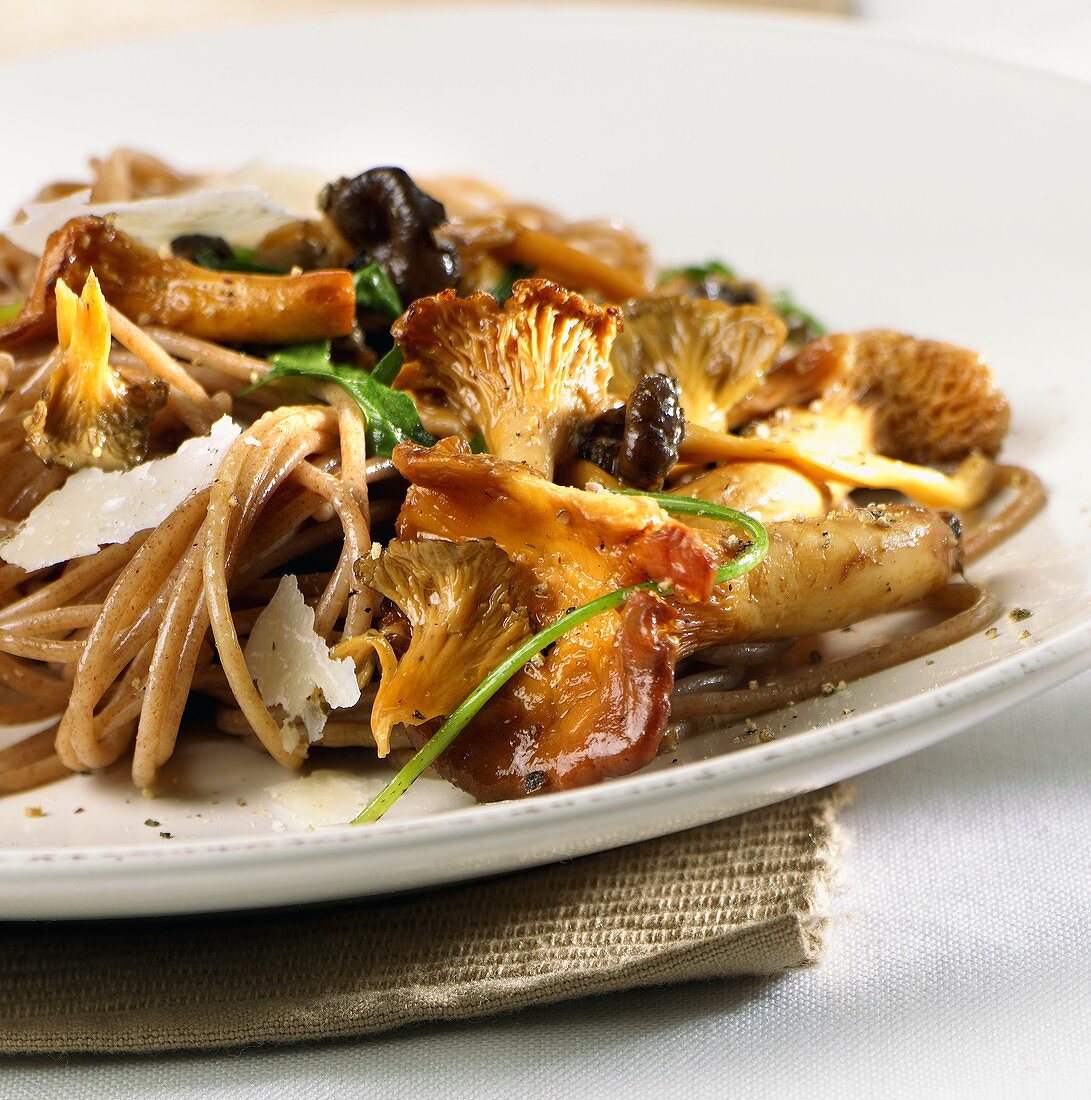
<point x="28" y="27"/>
<point x="1055" y="33"/>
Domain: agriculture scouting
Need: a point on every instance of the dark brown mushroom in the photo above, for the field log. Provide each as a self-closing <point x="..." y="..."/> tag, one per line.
<point x="385" y="216"/>
<point x="638" y="442"/>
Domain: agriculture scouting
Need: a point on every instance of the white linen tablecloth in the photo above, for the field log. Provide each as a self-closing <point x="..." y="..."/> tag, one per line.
<point x="961" y="965"/>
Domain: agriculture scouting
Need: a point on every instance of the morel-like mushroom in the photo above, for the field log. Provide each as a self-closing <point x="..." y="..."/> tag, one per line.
<point x="467" y="606"/>
<point x="89" y="415"/>
<point x="638" y="441"/>
<point x="525" y="374"/>
<point x="225" y="306"/>
<point x="718" y="353"/>
<point x="596" y="704"/>
<point x="385" y="216"/>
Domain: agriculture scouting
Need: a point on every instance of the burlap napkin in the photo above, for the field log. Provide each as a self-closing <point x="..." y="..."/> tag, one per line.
<point x="743" y="896"/>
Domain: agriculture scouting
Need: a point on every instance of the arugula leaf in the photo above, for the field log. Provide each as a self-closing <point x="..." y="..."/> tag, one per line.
<point x="802" y="326"/>
<point x="375" y="292"/>
<point x="9" y="312"/>
<point x="386" y="370"/>
<point x="502" y="291"/>
<point x="698" y="272"/>
<point x="391" y="416"/>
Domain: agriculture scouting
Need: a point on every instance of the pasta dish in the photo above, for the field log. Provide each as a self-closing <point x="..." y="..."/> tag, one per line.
<point x="415" y="467"/>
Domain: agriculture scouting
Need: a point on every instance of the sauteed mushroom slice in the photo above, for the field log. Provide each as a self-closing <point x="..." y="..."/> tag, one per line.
<point x="823" y="574"/>
<point x="89" y="415"/>
<point x="467" y="607"/>
<point x="925" y="401"/>
<point x="228" y="307"/>
<point x="718" y="353"/>
<point x="390" y="221"/>
<point x="597" y="702"/>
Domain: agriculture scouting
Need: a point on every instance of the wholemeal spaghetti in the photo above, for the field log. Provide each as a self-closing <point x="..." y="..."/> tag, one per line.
<point x="568" y="454"/>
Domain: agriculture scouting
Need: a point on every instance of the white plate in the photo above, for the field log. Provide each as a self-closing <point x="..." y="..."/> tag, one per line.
<point x="887" y="184"/>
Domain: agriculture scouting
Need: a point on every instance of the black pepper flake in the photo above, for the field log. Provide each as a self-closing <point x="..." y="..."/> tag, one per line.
<point x="166" y="836"/>
<point x="534" y="782"/>
<point x="151" y="823"/>
<point x="1018" y="614"/>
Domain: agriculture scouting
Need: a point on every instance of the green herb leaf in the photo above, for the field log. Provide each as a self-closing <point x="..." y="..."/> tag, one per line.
<point x="502" y="291"/>
<point x="391" y="416"/>
<point x="386" y="370"/>
<point x="9" y="312"/>
<point x="241" y="260"/>
<point x="376" y="293"/>
<point x="478" y="446"/>
<point x="465" y="712"/>
<point x="802" y="326"/>
<point x="697" y="273"/>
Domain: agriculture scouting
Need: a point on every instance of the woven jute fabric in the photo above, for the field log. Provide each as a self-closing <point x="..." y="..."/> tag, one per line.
<point x="744" y="896"/>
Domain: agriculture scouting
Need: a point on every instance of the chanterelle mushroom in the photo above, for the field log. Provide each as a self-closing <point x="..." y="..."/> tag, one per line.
<point x="923" y="400"/>
<point x="89" y="415"/>
<point x="467" y="606"/>
<point x="717" y="352"/>
<point x="825" y="573"/>
<point x="525" y="374"/>
<point x="879" y="402"/>
<point x="597" y="703"/>
<point x="218" y="305"/>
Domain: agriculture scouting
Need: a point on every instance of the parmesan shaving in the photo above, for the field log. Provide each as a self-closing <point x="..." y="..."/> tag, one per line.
<point x="95" y="508"/>
<point x="294" y="189"/>
<point x="292" y="666"/>
<point x="242" y="216"/>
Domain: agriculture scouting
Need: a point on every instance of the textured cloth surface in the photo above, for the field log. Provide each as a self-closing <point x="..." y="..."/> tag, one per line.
<point x="744" y="896"/>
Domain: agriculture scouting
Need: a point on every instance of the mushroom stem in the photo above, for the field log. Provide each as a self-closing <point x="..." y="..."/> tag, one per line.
<point x="222" y="306"/>
<point x="569" y="266"/>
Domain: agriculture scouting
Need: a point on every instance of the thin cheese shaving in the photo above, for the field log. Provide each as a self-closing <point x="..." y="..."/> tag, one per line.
<point x="242" y="216"/>
<point x="95" y="508"/>
<point x="292" y="666"/>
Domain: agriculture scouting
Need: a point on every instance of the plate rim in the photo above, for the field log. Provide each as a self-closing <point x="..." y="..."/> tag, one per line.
<point x="1018" y="677"/>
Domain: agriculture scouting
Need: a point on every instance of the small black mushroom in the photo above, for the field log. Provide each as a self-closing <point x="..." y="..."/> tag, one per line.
<point x="385" y="216"/>
<point x="654" y="427"/>
<point x="600" y="442"/>
<point x="638" y="442"/>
